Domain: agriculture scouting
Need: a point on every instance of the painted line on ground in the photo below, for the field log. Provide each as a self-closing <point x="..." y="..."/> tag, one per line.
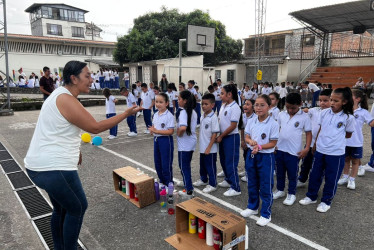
<point x="228" y="205"/>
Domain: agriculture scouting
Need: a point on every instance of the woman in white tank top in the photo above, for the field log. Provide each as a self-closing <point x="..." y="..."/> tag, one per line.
<point x="53" y="155"/>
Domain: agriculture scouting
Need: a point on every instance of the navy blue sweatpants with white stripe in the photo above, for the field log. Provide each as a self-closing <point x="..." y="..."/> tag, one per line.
<point x="330" y="166"/>
<point x="259" y="169"/>
<point x="184" y="160"/>
<point x="287" y="163"/>
<point x="208" y="168"/>
<point x="229" y="158"/>
<point x="163" y="156"/>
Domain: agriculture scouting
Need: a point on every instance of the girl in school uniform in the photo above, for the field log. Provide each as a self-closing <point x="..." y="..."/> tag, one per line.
<point x="162" y="130"/>
<point x="255" y="91"/>
<point x="336" y="124"/>
<point x="274" y="107"/>
<point x="131" y="102"/>
<point x="230" y="118"/>
<point x="261" y="135"/>
<point x="186" y="137"/>
<point x="172" y="96"/>
<point x="110" y="106"/>
<point x="198" y="105"/>
<point x="248" y="114"/>
<point x="353" y="150"/>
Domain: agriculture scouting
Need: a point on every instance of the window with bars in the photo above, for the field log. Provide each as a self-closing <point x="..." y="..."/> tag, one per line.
<point x="309" y="40"/>
<point x="22" y="47"/>
<point x="77" y="31"/>
<point x="231" y="75"/>
<point x="54" y="29"/>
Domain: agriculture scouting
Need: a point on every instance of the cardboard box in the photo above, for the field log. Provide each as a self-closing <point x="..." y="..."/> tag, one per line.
<point x="143" y="183"/>
<point x="231" y="225"/>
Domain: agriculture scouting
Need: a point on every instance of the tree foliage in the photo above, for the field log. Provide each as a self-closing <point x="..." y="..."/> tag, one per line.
<point x="156" y="36"/>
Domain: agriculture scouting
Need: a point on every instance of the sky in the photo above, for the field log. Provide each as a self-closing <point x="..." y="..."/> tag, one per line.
<point x="116" y="17"/>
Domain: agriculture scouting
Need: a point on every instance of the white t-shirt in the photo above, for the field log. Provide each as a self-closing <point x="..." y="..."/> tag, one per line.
<point x="362" y="116"/>
<point x="147" y="98"/>
<point x="291" y="131"/>
<point x="55" y="143"/>
<point x="193" y="91"/>
<point x="31" y="82"/>
<point x="247" y="94"/>
<point x="282" y="93"/>
<point x="37" y="83"/>
<point x="313" y="87"/>
<point x="171" y="96"/>
<point x="187" y="142"/>
<point x="110" y="105"/>
<point x="277" y="88"/>
<point x="130" y="100"/>
<point x="262" y="132"/>
<point x="217" y="94"/>
<point x="22" y="82"/>
<point x="164" y="121"/>
<point x="106" y="76"/>
<point x="266" y="90"/>
<point x="208" y="125"/>
<point x="227" y="114"/>
<point x="126" y="76"/>
<point x="331" y="139"/>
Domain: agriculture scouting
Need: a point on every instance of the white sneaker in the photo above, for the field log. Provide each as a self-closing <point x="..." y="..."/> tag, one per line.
<point x="132" y="134"/>
<point x="248" y="212"/>
<point x="351" y="184"/>
<point x="129" y="133"/>
<point x="199" y="183"/>
<point x="184" y="194"/>
<point x="343" y="181"/>
<point x="224" y="184"/>
<point x="300" y="184"/>
<point x="263" y="221"/>
<point x="198" y="126"/>
<point x="361" y="171"/>
<point x="138" y="114"/>
<point x="323" y="207"/>
<point x="209" y="189"/>
<point x="146" y="131"/>
<point x="221" y="174"/>
<point x="278" y="194"/>
<point x="180" y="183"/>
<point x="307" y="201"/>
<point x="231" y="192"/>
<point x="244" y="178"/>
<point x="111" y="137"/>
<point x="242" y="174"/>
<point x="368" y="168"/>
<point x="289" y="201"/>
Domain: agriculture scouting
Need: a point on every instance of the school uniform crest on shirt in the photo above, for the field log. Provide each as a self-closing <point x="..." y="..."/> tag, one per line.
<point x="206" y="126"/>
<point x="297" y="124"/>
<point x="225" y="113"/>
<point x="162" y="125"/>
<point x="340" y="124"/>
<point x="263" y="136"/>
<point x="356" y="116"/>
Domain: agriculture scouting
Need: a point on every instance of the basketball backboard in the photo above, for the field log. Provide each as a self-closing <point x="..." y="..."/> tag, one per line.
<point x="200" y="39"/>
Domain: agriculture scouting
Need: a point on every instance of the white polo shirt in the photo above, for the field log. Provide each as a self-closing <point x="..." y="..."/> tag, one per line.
<point x="262" y="132"/>
<point x="217" y="94"/>
<point x="139" y="89"/>
<point x="313" y="87"/>
<point x="274" y="112"/>
<point x="314" y="114"/>
<point x="331" y="139"/>
<point x="164" y="121"/>
<point x="291" y="131"/>
<point x="193" y="91"/>
<point x="110" y="105"/>
<point x="106" y="76"/>
<point x="247" y="94"/>
<point x="130" y="100"/>
<point x="187" y="142"/>
<point x="247" y="118"/>
<point x="198" y="100"/>
<point x="361" y="116"/>
<point x="147" y="98"/>
<point x="171" y="96"/>
<point x="208" y="125"/>
<point x="266" y="91"/>
<point x="227" y="114"/>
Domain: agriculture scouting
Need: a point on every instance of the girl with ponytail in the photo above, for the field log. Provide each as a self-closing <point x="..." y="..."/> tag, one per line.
<point x="186" y="138"/>
<point x="230" y="119"/>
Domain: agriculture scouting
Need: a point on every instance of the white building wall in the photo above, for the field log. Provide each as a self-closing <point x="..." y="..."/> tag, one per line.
<point x="66" y="28"/>
<point x="239" y="73"/>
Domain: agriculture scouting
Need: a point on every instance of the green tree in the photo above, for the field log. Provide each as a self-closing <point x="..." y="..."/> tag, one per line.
<point x="156" y="35"/>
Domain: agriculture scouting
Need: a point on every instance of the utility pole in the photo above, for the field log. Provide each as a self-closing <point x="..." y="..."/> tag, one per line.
<point x="260" y="22"/>
<point x="3" y="109"/>
<point x="92" y="31"/>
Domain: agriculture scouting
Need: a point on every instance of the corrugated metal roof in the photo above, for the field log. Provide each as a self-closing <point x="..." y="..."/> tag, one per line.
<point x="338" y="17"/>
<point x="57" y="39"/>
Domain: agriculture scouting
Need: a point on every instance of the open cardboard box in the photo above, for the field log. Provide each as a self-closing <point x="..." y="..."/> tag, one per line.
<point x="143" y="183"/>
<point x="232" y="226"/>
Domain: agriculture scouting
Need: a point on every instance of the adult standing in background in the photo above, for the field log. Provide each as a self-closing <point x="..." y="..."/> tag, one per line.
<point x="163" y="85"/>
<point x="315" y="91"/>
<point x="52" y="158"/>
<point x="46" y="83"/>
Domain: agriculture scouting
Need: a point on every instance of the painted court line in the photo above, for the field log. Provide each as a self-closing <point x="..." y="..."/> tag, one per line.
<point x="228" y="205"/>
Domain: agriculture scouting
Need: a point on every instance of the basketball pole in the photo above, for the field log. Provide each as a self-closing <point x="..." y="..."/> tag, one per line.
<point x="180" y="59"/>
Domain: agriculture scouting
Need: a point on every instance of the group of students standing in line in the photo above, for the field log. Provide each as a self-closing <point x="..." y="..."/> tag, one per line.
<point x="271" y="139"/>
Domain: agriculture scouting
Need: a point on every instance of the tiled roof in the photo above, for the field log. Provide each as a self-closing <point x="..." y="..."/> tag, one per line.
<point x="57" y="39"/>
